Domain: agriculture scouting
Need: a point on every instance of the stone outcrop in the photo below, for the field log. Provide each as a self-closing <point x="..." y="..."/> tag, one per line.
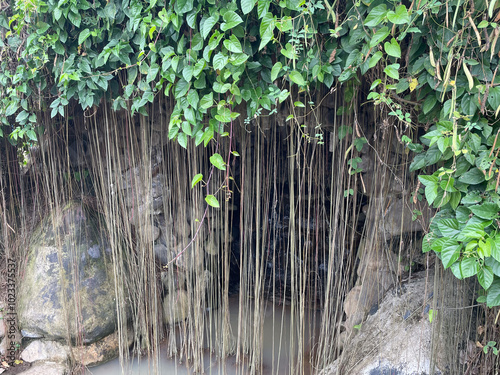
<point x="68" y="286"/>
<point x="396" y="336"/>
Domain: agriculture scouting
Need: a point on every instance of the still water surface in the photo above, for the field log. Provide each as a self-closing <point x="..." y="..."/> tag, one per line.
<point x="277" y="339"/>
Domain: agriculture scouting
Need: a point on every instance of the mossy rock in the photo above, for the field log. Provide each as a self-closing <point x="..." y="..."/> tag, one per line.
<point x="68" y="285"/>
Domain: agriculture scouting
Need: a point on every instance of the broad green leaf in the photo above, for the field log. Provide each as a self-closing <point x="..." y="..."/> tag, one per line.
<point x="275" y="71"/>
<point x="449" y="227"/>
<point x="472" y="177"/>
<point x="223" y="115"/>
<point x="484" y="248"/>
<point x="494" y="97"/>
<point x="181" y="88"/>
<point x="429" y="103"/>
<point x="22" y="116"/>
<point x="187" y="72"/>
<point x="297" y="78"/>
<point x="379" y="36"/>
<point x="231" y="20"/>
<point x="450" y="252"/>
<point x="212" y="201"/>
<point x="193" y="98"/>
<point x="375" y="59"/>
<point x="182" y="140"/>
<point x="393" y="48"/>
<point x="493" y="297"/>
<point x="426" y="242"/>
<point x="247" y="6"/>
<point x="75" y="18"/>
<point x="266" y="29"/>
<point x="220" y="61"/>
<point x="426" y="180"/>
<point x="207" y="100"/>
<point x="485" y="277"/>
<point x="431" y="193"/>
<point x="83" y="36"/>
<point x="487" y="211"/>
<point x="494" y="265"/>
<point x="196" y="179"/>
<point x="376" y="15"/>
<point x="284" y="94"/>
<point x="31" y="135"/>
<point x="495" y="249"/>
<point x="233" y="44"/>
<point x="208" y="25"/>
<point x="400" y="16"/>
<point x="218" y="162"/>
<point x="392" y="71"/>
<point x="475" y="231"/>
<point x="468" y="267"/>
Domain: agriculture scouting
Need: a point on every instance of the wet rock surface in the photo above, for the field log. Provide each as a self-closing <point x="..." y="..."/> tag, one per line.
<point x="68" y="260"/>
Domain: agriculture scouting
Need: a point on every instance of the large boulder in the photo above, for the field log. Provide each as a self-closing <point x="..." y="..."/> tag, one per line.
<point x="68" y="287"/>
<point x="395" y="339"/>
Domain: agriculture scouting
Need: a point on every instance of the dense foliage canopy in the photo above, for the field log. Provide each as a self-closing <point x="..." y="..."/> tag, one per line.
<point x="431" y="65"/>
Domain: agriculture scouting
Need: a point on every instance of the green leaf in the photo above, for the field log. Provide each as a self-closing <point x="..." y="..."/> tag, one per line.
<point x="449" y="227"/>
<point x="212" y="201"/>
<point x="181" y="88"/>
<point x="431" y="193"/>
<point x="493" y="297"/>
<point x="196" y="179"/>
<point x="275" y="71"/>
<point x="207" y="100"/>
<point x="494" y="97"/>
<point x="375" y="59"/>
<point x="487" y="211"/>
<point x="474" y="230"/>
<point x="218" y="162"/>
<point x="400" y="16"/>
<point x="429" y="103"/>
<point x="220" y="61"/>
<point x="247" y="6"/>
<point x="426" y="242"/>
<point x="182" y="140"/>
<point x="233" y="44"/>
<point x="297" y="78"/>
<point x="83" y="36"/>
<point x="75" y="18"/>
<point x="392" y="71"/>
<point x="393" y="48"/>
<point x="494" y="265"/>
<point x="472" y="177"/>
<point x="485" y="277"/>
<point x="223" y="115"/>
<point x="231" y="19"/>
<point x="376" y="15"/>
<point x="426" y="180"/>
<point x="468" y="267"/>
<point x="266" y="29"/>
<point x="31" y="134"/>
<point x="208" y="25"/>
<point x="379" y="36"/>
<point x="450" y="252"/>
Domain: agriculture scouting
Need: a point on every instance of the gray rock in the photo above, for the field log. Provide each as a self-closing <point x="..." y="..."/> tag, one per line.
<point x="175" y="307"/>
<point x="39" y="350"/>
<point x="397" y="337"/>
<point x="101" y="351"/>
<point x="68" y="261"/>
<point x="47" y="368"/>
